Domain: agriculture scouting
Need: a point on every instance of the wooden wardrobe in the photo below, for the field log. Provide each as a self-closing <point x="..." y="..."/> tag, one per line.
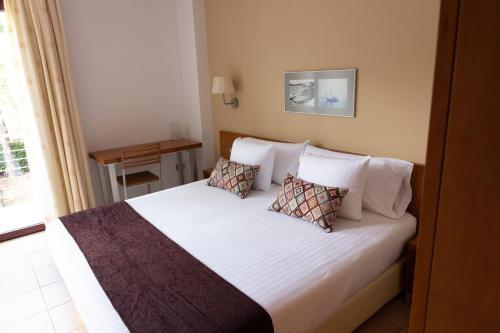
<point x="457" y="279"/>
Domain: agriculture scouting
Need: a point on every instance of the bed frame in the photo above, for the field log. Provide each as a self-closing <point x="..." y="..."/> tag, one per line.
<point x="371" y="298"/>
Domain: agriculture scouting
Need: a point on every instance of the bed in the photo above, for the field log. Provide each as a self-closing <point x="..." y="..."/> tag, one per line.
<point x="269" y="257"/>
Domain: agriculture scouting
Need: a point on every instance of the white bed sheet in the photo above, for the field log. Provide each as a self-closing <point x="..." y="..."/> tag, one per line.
<point x="293" y="269"/>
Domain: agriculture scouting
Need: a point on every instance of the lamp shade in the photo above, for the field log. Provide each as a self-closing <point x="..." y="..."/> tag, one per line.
<point x="222" y="85"/>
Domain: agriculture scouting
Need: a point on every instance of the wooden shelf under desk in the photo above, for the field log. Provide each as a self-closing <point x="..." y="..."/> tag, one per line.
<point x="111" y="156"/>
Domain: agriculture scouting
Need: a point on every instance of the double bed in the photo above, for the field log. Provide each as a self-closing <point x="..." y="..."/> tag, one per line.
<point x="306" y="280"/>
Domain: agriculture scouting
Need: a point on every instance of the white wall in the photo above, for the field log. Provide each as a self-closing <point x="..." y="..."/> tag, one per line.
<point x="195" y="78"/>
<point x="126" y="69"/>
<point x="135" y="69"/>
<point x="204" y="83"/>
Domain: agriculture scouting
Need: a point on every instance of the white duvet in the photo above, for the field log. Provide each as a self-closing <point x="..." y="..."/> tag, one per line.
<point x="299" y="274"/>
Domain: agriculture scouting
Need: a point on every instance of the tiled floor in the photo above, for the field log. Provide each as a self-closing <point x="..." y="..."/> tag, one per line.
<point x="33" y="298"/>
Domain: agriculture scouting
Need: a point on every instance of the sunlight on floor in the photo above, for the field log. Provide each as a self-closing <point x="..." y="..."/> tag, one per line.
<point x="33" y="297"/>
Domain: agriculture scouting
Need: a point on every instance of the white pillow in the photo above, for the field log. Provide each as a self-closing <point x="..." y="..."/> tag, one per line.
<point x="387" y="189"/>
<point x="338" y="172"/>
<point x="254" y="153"/>
<point x="286" y="158"/>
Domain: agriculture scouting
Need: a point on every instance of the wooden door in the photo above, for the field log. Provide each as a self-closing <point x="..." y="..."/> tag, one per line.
<point x="457" y="287"/>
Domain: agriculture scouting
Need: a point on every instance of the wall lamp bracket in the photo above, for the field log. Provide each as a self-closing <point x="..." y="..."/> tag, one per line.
<point x="233" y="102"/>
<point x="224" y="85"/>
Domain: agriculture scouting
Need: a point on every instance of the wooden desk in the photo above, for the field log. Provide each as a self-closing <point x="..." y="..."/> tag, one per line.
<point x="110" y="157"/>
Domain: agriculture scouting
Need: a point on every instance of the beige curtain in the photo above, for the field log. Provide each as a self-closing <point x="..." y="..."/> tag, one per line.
<point x="38" y="28"/>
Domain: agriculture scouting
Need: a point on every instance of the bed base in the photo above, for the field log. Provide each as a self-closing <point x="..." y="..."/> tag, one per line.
<point x="366" y="302"/>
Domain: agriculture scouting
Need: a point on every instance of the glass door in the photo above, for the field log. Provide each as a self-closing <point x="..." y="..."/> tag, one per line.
<point x="20" y="209"/>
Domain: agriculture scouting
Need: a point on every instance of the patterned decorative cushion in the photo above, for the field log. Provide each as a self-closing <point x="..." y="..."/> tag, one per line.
<point x="311" y="202"/>
<point x="234" y="177"/>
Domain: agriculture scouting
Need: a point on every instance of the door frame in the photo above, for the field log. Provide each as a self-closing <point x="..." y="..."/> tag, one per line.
<point x="441" y="96"/>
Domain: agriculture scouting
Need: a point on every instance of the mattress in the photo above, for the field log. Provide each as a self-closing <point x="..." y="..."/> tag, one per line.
<point x="299" y="274"/>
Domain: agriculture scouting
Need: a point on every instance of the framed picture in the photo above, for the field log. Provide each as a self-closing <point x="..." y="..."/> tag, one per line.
<point x="330" y="92"/>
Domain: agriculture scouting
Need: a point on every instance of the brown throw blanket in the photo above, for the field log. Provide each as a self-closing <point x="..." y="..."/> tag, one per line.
<point x="153" y="283"/>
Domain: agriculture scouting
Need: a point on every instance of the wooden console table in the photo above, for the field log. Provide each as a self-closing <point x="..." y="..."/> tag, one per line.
<point x="107" y="159"/>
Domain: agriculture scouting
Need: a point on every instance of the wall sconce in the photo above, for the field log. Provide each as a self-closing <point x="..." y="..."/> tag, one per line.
<point x="222" y="85"/>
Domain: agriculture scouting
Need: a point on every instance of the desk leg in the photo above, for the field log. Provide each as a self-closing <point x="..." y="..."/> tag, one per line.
<point x="194" y="164"/>
<point x="114" y="184"/>
<point x="104" y="183"/>
<point x="162" y="174"/>
<point x="180" y="167"/>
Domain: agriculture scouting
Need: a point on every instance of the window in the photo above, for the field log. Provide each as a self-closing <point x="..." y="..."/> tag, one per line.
<point x="19" y="206"/>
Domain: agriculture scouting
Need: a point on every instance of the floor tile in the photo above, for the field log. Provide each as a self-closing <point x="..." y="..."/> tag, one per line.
<point x="20" y="307"/>
<point x="65" y="318"/>
<point x="13" y="246"/>
<point x="5" y="249"/>
<point x="13" y="265"/>
<point x="17" y="285"/>
<point x="36" y="242"/>
<point x="39" y="323"/>
<point x="80" y="330"/>
<point x="41" y="258"/>
<point x="55" y="294"/>
<point x="47" y="274"/>
<point x="23" y="304"/>
<point x="25" y="245"/>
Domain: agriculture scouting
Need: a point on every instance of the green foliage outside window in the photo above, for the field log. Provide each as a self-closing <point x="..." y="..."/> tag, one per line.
<point x="18" y="152"/>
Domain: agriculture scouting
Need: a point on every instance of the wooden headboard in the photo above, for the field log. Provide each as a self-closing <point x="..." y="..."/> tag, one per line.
<point x="226" y="139"/>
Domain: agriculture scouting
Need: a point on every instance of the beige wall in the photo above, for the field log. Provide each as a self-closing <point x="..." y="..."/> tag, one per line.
<point x="391" y="42"/>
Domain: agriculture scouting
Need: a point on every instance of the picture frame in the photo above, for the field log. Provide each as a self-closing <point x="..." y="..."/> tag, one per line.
<point x="327" y="92"/>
